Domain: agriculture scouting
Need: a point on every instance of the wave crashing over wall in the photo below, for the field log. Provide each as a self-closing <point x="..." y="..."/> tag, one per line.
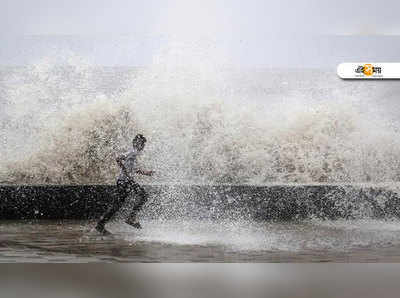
<point x="66" y="124"/>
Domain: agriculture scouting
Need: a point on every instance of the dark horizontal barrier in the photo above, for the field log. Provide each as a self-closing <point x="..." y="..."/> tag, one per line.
<point x="277" y="202"/>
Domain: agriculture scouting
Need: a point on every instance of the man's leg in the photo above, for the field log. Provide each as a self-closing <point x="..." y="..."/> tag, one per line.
<point x="141" y="198"/>
<point x="107" y="216"/>
<point x="122" y="194"/>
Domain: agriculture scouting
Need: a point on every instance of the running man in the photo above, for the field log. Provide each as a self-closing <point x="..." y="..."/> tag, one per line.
<point x="126" y="186"/>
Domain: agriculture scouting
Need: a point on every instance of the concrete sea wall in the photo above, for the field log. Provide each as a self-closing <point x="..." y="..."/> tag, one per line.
<point x="275" y="202"/>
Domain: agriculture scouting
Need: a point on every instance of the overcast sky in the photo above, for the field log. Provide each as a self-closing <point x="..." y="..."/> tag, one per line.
<point x="252" y="33"/>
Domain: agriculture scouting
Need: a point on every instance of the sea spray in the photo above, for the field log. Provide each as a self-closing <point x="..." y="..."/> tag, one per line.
<point x="207" y="126"/>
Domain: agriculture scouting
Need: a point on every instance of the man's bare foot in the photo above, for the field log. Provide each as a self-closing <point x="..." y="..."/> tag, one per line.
<point x="134" y="224"/>
<point x="102" y="230"/>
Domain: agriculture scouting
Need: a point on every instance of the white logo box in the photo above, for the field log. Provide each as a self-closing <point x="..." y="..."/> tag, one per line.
<point x="384" y="70"/>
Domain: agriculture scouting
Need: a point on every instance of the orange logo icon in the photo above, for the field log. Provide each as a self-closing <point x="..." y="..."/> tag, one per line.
<point x="368" y="69"/>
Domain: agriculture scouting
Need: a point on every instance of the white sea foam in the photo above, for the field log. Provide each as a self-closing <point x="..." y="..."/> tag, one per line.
<point x="249" y="236"/>
<point x="205" y="123"/>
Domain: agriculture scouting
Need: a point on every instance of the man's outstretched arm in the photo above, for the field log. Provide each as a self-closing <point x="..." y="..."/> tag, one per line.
<point x="143" y="172"/>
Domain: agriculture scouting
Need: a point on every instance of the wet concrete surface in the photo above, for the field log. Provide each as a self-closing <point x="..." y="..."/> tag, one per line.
<point x="172" y="241"/>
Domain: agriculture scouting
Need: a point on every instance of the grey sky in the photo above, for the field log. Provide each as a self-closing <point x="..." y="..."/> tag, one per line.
<point x="251" y="33"/>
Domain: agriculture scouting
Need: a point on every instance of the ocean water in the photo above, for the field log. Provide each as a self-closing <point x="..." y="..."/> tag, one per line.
<point x="206" y="123"/>
<point x="64" y="124"/>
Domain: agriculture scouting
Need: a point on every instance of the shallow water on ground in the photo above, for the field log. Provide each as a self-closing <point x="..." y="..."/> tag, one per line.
<point x="202" y="241"/>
